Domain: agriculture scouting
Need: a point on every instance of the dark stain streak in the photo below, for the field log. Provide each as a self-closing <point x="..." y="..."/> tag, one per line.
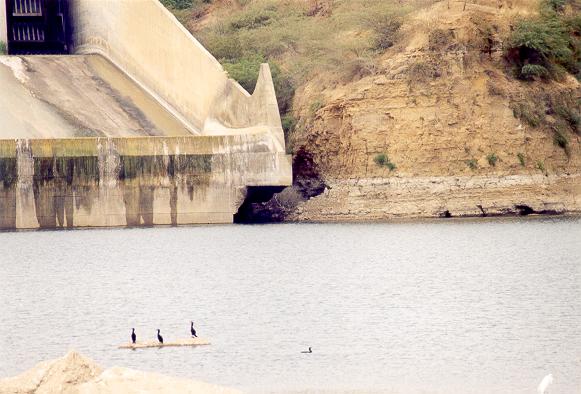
<point x="63" y="185"/>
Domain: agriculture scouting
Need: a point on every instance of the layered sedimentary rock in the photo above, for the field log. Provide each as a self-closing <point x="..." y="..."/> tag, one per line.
<point x="417" y="197"/>
<point x="443" y="126"/>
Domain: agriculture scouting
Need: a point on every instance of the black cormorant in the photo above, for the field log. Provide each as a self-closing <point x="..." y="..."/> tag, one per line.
<point x="193" y="331"/>
<point x="133" y="336"/>
<point x="159" y="337"/>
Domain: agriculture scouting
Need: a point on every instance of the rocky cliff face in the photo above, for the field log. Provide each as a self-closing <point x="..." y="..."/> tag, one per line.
<point x="435" y="125"/>
<point x="442" y="128"/>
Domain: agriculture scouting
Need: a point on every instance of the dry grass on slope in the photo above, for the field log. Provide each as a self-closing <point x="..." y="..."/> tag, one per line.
<point x="444" y="101"/>
<point x="333" y="41"/>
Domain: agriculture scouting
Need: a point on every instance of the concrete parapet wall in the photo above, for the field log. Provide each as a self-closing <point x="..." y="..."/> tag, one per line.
<point x="146" y="41"/>
<point x="141" y="181"/>
<point x="3" y="32"/>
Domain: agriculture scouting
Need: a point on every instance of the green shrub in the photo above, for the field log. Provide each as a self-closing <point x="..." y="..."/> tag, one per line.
<point x="472" y="164"/>
<point x="532" y="71"/>
<point x="254" y="18"/>
<point x="554" y="5"/>
<point x="541" y="166"/>
<point x="3" y="48"/>
<point x="225" y="47"/>
<point x="536" y="46"/>
<point x="382" y="160"/>
<point x="440" y="39"/>
<point x="571" y="116"/>
<point x="385" y="28"/>
<point x="561" y="140"/>
<point x="284" y="87"/>
<point x="245" y="71"/>
<point x="315" y="107"/>
<point x="492" y="159"/>
<point x="288" y="123"/>
<point x="521" y="159"/>
<point x="178" y="4"/>
<point x="526" y="113"/>
<point x="547" y="45"/>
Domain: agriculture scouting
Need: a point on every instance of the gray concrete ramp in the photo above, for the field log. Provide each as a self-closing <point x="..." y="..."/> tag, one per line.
<point x="77" y="96"/>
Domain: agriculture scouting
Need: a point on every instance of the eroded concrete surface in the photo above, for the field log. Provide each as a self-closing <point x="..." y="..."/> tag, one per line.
<point x="76" y="96"/>
<point x="141" y="181"/>
<point x="199" y="138"/>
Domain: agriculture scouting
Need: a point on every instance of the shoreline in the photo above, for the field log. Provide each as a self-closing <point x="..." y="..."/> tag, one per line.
<point x="392" y="220"/>
<point x="385" y="199"/>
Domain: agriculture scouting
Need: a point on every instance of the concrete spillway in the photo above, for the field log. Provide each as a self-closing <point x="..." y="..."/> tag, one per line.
<point x="140" y="126"/>
<point x="77" y="96"/>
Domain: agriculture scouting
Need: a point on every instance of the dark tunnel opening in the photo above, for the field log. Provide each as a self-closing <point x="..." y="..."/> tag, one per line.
<point x="256" y="195"/>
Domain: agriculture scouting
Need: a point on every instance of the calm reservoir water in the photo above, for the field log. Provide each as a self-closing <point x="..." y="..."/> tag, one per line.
<point x="431" y="307"/>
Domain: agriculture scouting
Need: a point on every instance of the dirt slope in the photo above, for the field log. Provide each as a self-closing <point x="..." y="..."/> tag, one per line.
<point x="436" y="126"/>
<point x="439" y="110"/>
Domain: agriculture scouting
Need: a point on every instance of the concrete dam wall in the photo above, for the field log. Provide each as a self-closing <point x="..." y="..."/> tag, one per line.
<point x="144" y="40"/>
<point x="133" y="123"/>
<point x="141" y="181"/>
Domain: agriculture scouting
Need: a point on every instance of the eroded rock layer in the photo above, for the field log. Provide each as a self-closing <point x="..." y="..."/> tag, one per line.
<point x="443" y="125"/>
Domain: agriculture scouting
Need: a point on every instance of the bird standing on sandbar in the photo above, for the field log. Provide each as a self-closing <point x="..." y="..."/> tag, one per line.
<point x="133" y="336"/>
<point x="159" y="337"/>
<point x="192" y="330"/>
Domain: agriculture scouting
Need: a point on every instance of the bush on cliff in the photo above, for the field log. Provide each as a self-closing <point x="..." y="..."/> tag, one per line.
<point x="492" y="159"/>
<point x="560" y="139"/>
<point x="382" y="160"/>
<point x="546" y="46"/>
<point x="183" y="4"/>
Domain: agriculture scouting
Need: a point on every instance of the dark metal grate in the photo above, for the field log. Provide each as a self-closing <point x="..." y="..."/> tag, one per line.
<point x="27" y="8"/>
<point x="38" y="26"/>
<point x="27" y="32"/>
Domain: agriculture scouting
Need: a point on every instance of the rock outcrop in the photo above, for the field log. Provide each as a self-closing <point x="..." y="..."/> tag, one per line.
<point x="76" y="374"/>
<point x="442" y="125"/>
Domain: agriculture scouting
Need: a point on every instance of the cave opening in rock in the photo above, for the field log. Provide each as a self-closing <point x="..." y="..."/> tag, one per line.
<point x="252" y="209"/>
<point x="524" y="210"/>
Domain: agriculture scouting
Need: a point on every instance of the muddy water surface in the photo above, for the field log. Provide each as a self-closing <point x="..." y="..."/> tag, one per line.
<point x="434" y="307"/>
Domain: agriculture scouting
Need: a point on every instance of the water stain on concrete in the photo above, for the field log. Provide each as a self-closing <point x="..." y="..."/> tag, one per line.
<point x="77" y="96"/>
<point x="138" y="104"/>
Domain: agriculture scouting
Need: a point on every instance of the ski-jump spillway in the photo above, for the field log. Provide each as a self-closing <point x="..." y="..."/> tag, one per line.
<point x="140" y="125"/>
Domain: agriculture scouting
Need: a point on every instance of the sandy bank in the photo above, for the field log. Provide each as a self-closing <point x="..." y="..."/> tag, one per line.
<point x="379" y="199"/>
<point x="76" y="374"/>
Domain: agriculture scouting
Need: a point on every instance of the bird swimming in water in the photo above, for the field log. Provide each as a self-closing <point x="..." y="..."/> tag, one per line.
<point x="308" y="351"/>
<point x="545" y="383"/>
<point x="133" y="336"/>
<point x="159" y="337"/>
<point x="192" y="330"/>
